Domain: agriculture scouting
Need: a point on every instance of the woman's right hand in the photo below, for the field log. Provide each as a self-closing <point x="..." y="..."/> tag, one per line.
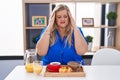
<point x="51" y="22"/>
<point x="72" y="20"/>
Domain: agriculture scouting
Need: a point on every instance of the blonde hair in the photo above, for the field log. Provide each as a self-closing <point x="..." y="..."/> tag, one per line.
<point x="68" y="29"/>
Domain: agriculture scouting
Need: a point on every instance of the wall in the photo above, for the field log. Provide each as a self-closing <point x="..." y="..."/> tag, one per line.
<point x="11" y="30"/>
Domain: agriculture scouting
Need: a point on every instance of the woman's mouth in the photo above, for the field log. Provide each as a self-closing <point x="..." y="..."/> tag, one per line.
<point x="62" y="22"/>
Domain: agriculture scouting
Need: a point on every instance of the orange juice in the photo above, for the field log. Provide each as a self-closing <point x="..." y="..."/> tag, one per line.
<point x="37" y="65"/>
<point x="29" y="67"/>
<point x="38" y="69"/>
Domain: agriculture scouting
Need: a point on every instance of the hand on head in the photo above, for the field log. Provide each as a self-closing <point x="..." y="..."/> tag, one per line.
<point x="51" y="21"/>
<point x="71" y="20"/>
<point x="52" y="18"/>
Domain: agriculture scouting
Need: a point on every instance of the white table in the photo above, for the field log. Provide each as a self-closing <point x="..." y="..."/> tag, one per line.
<point x="105" y="72"/>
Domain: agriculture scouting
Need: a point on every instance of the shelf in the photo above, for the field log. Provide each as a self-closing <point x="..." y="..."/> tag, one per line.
<point x="36" y="1"/>
<point x="34" y="27"/>
<point x="108" y="47"/>
<point x="44" y="7"/>
<point x="101" y="47"/>
<point x="82" y="27"/>
<point x="33" y="8"/>
<point x="89" y="53"/>
<point x="92" y="52"/>
<point x="102" y="26"/>
<point x="100" y="1"/>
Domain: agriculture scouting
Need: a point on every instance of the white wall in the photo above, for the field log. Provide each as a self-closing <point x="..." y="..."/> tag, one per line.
<point x="11" y="29"/>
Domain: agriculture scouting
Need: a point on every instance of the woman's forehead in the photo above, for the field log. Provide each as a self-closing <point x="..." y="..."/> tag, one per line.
<point x="61" y="12"/>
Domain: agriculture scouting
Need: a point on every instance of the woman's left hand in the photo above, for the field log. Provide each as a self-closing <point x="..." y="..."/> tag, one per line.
<point x="73" y="24"/>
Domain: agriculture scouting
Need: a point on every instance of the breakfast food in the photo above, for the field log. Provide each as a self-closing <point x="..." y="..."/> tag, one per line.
<point x="64" y="69"/>
<point x="79" y="69"/>
<point x="29" y="67"/>
<point x="53" y="67"/>
<point x="38" y="69"/>
<point x="74" y="65"/>
<point x="69" y="69"/>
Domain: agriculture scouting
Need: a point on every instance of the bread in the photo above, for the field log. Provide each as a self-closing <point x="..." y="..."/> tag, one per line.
<point x="64" y="69"/>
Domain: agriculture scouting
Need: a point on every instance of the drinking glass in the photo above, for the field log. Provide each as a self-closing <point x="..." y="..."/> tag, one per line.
<point x="37" y="66"/>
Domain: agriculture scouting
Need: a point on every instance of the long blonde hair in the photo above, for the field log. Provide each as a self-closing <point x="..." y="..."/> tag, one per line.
<point x="68" y="29"/>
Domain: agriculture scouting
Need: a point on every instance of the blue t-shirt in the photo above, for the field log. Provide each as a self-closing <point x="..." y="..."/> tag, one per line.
<point x="61" y="52"/>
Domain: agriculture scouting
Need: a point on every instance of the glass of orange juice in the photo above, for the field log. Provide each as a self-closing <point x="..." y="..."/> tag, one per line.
<point x="29" y="67"/>
<point x="37" y="66"/>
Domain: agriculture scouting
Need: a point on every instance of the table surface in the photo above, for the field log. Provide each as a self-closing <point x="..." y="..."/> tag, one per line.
<point x="104" y="72"/>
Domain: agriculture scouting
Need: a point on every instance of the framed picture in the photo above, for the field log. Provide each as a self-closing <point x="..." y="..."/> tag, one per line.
<point x="87" y="22"/>
<point x="39" y="20"/>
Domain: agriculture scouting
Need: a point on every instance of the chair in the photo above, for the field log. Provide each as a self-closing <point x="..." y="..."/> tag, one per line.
<point x="106" y="56"/>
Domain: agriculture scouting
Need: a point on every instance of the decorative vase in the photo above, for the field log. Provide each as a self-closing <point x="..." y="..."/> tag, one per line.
<point x="89" y="46"/>
<point x="111" y="22"/>
<point x="110" y="40"/>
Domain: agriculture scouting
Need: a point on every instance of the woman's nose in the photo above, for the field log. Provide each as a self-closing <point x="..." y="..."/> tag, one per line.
<point x="62" y="18"/>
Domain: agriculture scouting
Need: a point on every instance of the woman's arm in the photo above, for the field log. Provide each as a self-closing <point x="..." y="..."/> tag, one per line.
<point x="43" y="44"/>
<point x="80" y="43"/>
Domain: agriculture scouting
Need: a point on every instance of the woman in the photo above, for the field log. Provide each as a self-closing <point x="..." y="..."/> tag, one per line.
<point x="62" y="40"/>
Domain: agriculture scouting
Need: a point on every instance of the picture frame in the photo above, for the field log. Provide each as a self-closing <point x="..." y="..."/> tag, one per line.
<point x="87" y="22"/>
<point x="39" y="20"/>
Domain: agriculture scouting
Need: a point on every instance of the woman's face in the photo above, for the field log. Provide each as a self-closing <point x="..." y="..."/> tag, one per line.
<point x="62" y="18"/>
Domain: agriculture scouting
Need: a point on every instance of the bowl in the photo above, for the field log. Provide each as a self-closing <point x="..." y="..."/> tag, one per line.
<point x="73" y="64"/>
<point x="54" y="66"/>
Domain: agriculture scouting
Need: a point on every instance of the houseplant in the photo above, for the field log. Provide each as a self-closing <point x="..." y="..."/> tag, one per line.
<point x="111" y="16"/>
<point x="35" y="38"/>
<point x="89" y="40"/>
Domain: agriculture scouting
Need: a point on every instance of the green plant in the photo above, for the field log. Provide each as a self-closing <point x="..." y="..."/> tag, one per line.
<point x="111" y="15"/>
<point x="89" y="38"/>
<point x="34" y="39"/>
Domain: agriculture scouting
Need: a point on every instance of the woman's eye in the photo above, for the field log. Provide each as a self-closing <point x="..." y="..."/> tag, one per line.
<point x="65" y="16"/>
<point x="59" y="16"/>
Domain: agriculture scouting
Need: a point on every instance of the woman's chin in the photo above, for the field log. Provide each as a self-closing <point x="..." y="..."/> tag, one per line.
<point x="62" y="26"/>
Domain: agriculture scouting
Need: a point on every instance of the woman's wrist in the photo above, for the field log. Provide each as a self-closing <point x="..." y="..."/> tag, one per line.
<point x="47" y="32"/>
<point x="75" y="28"/>
<point x="49" y="28"/>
